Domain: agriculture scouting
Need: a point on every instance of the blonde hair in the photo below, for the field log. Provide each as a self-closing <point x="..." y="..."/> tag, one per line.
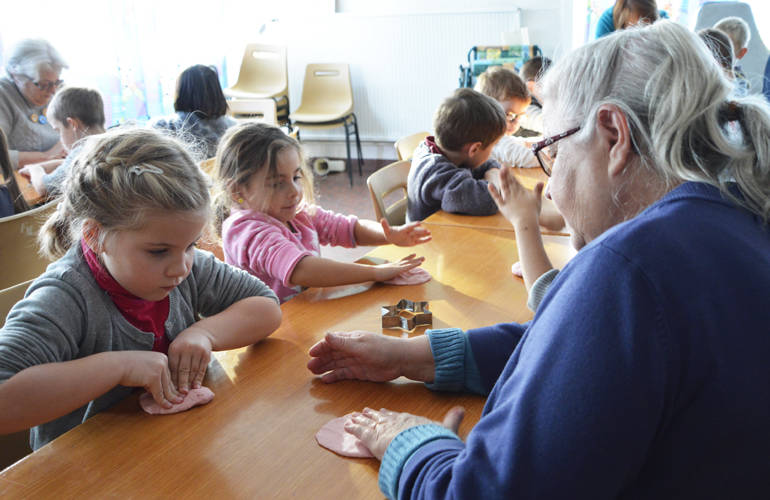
<point x="468" y="116"/>
<point x="678" y="103"/>
<point x="247" y="150"/>
<point x="117" y="179"/>
<point x="502" y="84"/>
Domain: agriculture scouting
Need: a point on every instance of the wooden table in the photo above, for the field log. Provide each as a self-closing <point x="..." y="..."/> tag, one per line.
<point x="256" y="439"/>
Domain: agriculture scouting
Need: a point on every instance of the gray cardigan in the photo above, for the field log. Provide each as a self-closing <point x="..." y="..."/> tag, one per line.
<point x="23" y="134"/>
<point x="65" y="315"/>
<point x="435" y="183"/>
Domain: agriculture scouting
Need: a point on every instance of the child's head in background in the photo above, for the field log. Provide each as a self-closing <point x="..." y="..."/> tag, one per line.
<point x="508" y="89"/>
<point x="469" y="124"/>
<point x="261" y="168"/>
<point x="721" y="47"/>
<point x="139" y="202"/>
<point x="532" y="71"/>
<point x="76" y="112"/>
<point x="627" y="13"/>
<point x="198" y="91"/>
<point x="738" y="31"/>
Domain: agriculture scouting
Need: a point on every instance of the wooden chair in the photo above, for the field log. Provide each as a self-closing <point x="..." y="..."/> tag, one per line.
<point x="327" y="102"/>
<point x="13" y="447"/>
<point x="406" y="145"/>
<point x="18" y="245"/>
<point x="263" y="75"/>
<point x="8" y="179"/>
<point x="383" y="183"/>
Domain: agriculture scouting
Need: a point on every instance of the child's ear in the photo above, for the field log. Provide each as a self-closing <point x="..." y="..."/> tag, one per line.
<point x="72" y="122"/>
<point x="91" y="232"/>
<point x="473" y="148"/>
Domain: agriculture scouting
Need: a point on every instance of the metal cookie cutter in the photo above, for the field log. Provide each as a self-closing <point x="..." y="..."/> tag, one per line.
<point x="419" y="315"/>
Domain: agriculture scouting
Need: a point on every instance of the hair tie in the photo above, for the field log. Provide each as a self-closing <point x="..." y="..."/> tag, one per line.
<point x="143" y="167"/>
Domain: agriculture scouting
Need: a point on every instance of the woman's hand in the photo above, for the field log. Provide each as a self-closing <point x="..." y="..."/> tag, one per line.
<point x="56" y="151"/>
<point x="407" y="235"/>
<point x="516" y="203"/>
<point x="150" y="370"/>
<point x="188" y="357"/>
<point x="384" y="272"/>
<point x="360" y="355"/>
<point x="376" y="429"/>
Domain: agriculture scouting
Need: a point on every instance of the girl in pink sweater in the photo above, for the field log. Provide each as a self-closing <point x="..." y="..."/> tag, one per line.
<point x="274" y="231"/>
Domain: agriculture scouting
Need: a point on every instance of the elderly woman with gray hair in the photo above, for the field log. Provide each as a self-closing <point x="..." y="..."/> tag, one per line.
<point x="34" y="69"/>
<point x="644" y="373"/>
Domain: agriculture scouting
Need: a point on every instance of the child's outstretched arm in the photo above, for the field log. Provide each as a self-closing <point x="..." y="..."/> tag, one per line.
<point x="368" y="232"/>
<point x="237" y="326"/>
<point x="522" y="208"/>
<point x="41" y="393"/>
<point x="318" y="271"/>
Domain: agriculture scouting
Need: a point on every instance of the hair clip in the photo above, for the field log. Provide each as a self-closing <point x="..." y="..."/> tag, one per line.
<point x="142" y="168"/>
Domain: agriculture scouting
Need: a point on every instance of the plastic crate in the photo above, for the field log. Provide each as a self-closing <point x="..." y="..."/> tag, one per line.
<point x="481" y="57"/>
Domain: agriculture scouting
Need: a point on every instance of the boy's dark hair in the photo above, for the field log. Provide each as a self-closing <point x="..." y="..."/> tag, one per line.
<point x="198" y="90"/>
<point x="502" y="84"/>
<point x="468" y="116"/>
<point x="77" y="102"/>
<point x="534" y="68"/>
<point x="720" y="45"/>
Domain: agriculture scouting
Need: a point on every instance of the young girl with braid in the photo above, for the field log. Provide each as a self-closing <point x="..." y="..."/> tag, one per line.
<point x="120" y="307"/>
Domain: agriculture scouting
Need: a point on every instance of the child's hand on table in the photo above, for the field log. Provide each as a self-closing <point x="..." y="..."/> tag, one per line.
<point x="150" y="370"/>
<point x="384" y="272"/>
<point x="188" y="357"/>
<point x="407" y="235"/>
<point x="516" y="202"/>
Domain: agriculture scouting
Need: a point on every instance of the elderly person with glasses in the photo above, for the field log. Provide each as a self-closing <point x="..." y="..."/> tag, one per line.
<point x="34" y="68"/>
<point x="644" y="373"/>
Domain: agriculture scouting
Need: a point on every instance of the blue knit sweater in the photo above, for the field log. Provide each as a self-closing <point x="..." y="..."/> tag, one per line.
<point x="644" y="373"/>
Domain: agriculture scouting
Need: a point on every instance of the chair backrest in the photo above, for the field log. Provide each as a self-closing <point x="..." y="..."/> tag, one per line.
<point x="756" y="59"/>
<point x="8" y="179"/>
<point x="18" y="245"/>
<point x="406" y="145"/>
<point x="383" y="183"/>
<point x="261" y="110"/>
<point x="263" y="70"/>
<point x="327" y="89"/>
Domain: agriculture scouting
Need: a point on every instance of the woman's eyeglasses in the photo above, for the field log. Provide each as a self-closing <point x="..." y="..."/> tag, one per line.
<point x="512" y="117"/>
<point x="546" y="157"/>
<point x="48" y="86"/>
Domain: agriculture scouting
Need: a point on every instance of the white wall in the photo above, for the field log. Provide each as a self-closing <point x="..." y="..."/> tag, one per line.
<point x="404" y="56"/>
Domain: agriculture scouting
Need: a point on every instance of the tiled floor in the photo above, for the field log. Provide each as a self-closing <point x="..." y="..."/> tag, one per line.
<point x="333" y="192"/>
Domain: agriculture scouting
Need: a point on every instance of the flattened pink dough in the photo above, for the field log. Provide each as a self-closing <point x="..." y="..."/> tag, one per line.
<point x="195" y="397"/>
<point x="334" y="437"/>
<point x="414" y="276"/>
<point x="516" y="269"/>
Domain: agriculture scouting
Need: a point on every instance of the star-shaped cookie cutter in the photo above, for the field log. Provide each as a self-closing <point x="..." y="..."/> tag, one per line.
<point x="419" y="315"/>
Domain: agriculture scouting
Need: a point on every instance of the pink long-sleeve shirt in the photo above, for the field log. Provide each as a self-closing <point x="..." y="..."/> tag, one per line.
<point x="268" y="249"/>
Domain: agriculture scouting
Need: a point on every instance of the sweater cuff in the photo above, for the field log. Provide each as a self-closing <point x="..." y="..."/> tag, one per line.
<point x="540" y="288"/>
<point x="448" y="348"/>
<point x="401" y="449"/>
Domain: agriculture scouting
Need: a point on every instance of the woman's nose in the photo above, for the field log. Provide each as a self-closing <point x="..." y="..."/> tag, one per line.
<point x="548" y="190"/>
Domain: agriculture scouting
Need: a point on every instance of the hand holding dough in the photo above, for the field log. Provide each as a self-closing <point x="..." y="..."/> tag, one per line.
<point x="194" y="397"/>
<point x="414" y="276"/>
<point x="334" y="437"/>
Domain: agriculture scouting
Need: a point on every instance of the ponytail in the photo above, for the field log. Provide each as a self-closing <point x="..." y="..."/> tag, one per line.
<point x="55" y="237"/>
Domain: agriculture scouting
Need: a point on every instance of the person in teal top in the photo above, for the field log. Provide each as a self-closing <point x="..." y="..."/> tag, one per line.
<point x="626" y="13"/>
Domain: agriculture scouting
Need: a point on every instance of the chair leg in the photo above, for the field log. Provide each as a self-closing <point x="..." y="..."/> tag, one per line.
<point x="349" y="162"/>
<point x="358" y="145"/>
